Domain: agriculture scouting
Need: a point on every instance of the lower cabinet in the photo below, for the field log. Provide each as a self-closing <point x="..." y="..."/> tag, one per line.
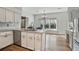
<point x="38" y="42"/>
<point x="30" y="41"/>
<point x="24" y="39"/>
<point x="6" y="39"/>
<point x="71" y="41"/>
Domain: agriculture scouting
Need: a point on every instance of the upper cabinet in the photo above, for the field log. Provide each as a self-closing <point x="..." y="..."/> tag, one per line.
<point x="9" y="16"/>
<point x="2" y="14"/>
<point x="17" y="17"/>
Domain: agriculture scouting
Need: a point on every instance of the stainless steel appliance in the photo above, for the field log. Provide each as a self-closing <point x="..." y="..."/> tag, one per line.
<point x="17" y="37"/>
<point x="76" y="45"/>
<point x="76" y="35"/>
<point x="24" y="22"/>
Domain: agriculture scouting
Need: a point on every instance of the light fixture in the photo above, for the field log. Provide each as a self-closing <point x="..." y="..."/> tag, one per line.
<point x="44" y="15"/>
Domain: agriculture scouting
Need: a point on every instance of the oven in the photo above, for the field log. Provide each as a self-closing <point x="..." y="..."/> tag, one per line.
<point x="76" y="45"/>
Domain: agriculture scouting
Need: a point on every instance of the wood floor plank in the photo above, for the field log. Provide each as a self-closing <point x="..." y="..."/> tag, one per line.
<point x="15" y="48"/>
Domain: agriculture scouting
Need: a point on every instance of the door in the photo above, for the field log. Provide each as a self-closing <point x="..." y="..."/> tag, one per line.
<point x="38" y="42"/>
<point x="30" y="41"/>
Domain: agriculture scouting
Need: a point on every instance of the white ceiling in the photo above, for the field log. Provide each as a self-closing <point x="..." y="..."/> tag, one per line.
<point x="38" y="10"/>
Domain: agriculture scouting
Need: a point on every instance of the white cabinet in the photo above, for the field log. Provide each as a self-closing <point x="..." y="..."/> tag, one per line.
<point x="17" y="21"/>
<point x="6" y="39"/>
<point x="17" y="17"/>
<point x="38" y="41"/>
<point x="50" y="42"/>
<point x="71" y="40"/>
<point x="2" y="14"/>
<point x="24" y="39"/>
<point x="9" y="16"/>
<point x="30" y="40"/>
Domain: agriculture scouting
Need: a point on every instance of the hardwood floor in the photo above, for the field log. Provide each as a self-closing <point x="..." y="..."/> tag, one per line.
<point x="15" y="48"/>
<point x="58" y="44"/>
<point x="61" y="45"/>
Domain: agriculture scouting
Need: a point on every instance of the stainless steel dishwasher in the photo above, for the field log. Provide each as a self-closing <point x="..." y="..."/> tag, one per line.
<point x="17" y="37"/>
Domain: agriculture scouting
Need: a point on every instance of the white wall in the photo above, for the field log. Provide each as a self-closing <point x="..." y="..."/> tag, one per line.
<point x="62" y="17"/>
<point x="29" y="11"/>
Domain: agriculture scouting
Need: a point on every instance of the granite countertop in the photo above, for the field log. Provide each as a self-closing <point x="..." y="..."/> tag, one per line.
<point x="32" y="31"/>
<point x="42" y="31"/>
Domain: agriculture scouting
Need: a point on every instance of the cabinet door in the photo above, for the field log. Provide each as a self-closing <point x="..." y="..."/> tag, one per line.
<point x="2" y="41"/>
<point x="9" y="39"/>
<point x="38" y="42"/>
<point x="30" y="41"/>
<point x="2" y="14"/>
<point x="24" y="39"/>
<point x="17" y="21"/>
<point x="17" y="17"/>
<point x="6" y="40"/>
<point x="9" y="16"/>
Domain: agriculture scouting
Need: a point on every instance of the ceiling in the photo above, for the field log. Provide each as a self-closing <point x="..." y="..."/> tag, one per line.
<point x="38" y="10"/>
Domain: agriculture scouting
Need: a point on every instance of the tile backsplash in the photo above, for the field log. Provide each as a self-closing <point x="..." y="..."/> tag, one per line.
<point x="9" y="26"/>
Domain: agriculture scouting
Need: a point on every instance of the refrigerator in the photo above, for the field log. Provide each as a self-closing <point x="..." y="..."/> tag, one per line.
<point x="76" y="35"/>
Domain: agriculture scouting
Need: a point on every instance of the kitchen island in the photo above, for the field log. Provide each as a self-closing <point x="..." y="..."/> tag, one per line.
<point x="38" y="40"/>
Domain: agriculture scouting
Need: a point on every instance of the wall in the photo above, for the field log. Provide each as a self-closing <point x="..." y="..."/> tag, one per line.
<point x="60" y="13"/>
<point x="61" y="17"/>
<point x="30" y="11"/>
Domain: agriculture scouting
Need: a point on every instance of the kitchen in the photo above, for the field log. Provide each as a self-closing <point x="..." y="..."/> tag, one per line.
<point x="39" y="28"/>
